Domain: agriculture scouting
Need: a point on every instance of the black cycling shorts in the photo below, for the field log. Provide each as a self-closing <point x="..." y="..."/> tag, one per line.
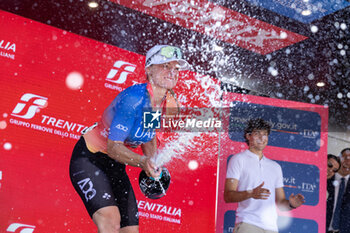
<point x="101" y="181"/>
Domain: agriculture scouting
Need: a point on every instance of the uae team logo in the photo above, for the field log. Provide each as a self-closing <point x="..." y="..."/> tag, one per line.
<point x="151" y="120"/>
<point x="30" y="104"/>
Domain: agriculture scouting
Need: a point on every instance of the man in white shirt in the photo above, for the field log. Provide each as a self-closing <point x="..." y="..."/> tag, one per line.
<point x="338" y="202"/>
<point x="256" y="183"/>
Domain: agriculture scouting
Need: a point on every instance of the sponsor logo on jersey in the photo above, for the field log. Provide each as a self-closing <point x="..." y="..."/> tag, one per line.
<point x="87" y="187"/>
<point x="122" y="127"/>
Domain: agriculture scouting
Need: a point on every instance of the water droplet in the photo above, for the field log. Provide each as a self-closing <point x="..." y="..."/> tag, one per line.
<point x="273" y="71"/>
<point x="3" y="124"/>
<point x="314" y="29"/>
<point x="193" y="165"/>
<point x="74" y="80"/>
<point x="7" y="146"/>
<point x="343" y="26"/>
<point x="283" y="35"/>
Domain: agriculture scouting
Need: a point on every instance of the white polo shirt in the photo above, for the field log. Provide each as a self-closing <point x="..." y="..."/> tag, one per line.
<point x="250" y="172"/>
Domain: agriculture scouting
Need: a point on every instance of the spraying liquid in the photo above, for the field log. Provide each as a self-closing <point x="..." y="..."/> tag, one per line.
<point x="176" y="148"/>
<point x="156" y="188"/>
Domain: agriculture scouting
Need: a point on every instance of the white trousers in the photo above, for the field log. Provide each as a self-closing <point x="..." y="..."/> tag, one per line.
<point x="249" y="228"/>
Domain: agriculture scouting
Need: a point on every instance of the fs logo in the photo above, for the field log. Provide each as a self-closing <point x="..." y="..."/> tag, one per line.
<point x="20" y="228"/>
<point x="151" y="120"/>
<point x="28" y="109"/>
<point x="120" y="72"/>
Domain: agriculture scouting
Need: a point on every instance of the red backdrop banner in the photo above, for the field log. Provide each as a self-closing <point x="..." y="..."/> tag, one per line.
<point x="53" y="85"/>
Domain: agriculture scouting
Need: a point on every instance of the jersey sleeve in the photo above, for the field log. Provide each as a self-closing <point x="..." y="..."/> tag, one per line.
<point x="279" y="179"/>
<point x="233" y="168"/>
<point x="126" y="108"/>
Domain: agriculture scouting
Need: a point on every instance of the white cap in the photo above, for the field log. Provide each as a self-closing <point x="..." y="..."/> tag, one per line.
<point x="161" y="54"/>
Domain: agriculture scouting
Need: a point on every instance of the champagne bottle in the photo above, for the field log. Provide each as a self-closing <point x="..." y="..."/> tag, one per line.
<point x="154" y="188"/>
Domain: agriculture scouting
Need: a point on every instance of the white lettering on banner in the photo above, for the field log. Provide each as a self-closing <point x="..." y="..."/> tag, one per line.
<point x="32" y="102"/>
<point x="308" y="133"/>
<point x="20" y="228"/>
<point x="286" y="127"/>
<point x="144" y="205"/>
<point x="289" y="180"/>
<point x="160" y="217"/>
<point x="143" y="214"/>
<point x="8" y="55"/>
<point x="307" y="187"/>
<point x="7" y="45"/>
<point x="61" y="133"/>
<point x="74" y="136"/>
<point x="44" y="129"/>
<point x="113" y="87"/>
<point x="173" y="220"/>
<point x="19" y="123"/>
<point x="120" y="72"/>
<point x="41" y="128"/>
<point x="63" y="124"/>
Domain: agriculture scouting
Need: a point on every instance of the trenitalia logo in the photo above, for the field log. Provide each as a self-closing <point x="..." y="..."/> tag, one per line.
<point x="20" y="228"/>
<point x="9" y="46"/>
<point x="7" y="49"/>
<point x="31" y="105"/>
<point x="120" y="72"/>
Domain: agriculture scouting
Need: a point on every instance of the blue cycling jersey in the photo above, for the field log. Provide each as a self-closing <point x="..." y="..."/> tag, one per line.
<point x="126" y="114"/>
